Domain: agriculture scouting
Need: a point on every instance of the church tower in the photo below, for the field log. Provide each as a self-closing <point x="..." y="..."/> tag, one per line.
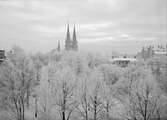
<point x="68" y="40"/>
<point x="71" y="44"/>
<point x="74" y="42"/>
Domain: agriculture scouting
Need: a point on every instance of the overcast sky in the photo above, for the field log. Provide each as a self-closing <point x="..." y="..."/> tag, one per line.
<point x="38" y="24"/>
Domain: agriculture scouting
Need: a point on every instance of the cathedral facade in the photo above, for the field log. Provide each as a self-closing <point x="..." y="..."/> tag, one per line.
<point x="71" y="44"/>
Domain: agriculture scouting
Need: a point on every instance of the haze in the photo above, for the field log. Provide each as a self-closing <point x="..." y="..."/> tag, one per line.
<point x="102" y="25"/>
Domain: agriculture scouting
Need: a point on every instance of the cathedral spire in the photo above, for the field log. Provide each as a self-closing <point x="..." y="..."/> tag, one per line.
<point x="68" y="41"/>
<point x="58" y="46"/>
<point x="75" y="43"/>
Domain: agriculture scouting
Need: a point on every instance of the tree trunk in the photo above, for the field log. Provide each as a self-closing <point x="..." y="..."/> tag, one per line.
<point x="23" y="111"/>
<point x="28" y="94"/>
<point x="158" y="115"/>
<point x="22" y="108"/>
<point x="107" y="109"/>
<point x="95" y="108"/>
<point x="63" y="114"/>
<point x="36" y="107"/>
<point x="86" y="117"/>
<point x="64" y="107"/>
<point x="86" y="109"/>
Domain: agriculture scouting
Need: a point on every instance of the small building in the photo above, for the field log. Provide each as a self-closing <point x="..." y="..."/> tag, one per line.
<point x="2" y="56"/>
<point x="124" y="61"/>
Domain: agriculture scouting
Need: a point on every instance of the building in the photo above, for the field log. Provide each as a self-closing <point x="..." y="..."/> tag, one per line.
<point x="123" y="61"/>
<point x="151" y="51"/>
<point x="71" y="44"/>
<point x="160" y="51"/>
<point x="2" y="56"/>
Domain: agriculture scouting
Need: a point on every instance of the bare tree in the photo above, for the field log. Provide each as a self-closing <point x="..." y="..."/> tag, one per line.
<point x="43" y="95"/>
<point x="66" y="106"/>
<point x="110" y="75"/>
<point x="17" y="76"/>
<point x="15" y="85"/>
<point x="141" y="99"/>
<point x="84" y="105"/>
<point x="96" y="102"/>
<point x="65" y="96"/>
<point x="145" y="102"/>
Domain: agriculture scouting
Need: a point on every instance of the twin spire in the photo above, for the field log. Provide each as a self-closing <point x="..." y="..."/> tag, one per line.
<point x="71" y="44"/>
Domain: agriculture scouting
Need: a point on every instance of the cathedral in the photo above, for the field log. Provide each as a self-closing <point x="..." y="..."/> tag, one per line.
<point x="71" y="44"/>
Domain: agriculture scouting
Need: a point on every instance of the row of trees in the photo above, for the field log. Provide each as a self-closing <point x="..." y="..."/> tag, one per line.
<point x="71" y="85"/>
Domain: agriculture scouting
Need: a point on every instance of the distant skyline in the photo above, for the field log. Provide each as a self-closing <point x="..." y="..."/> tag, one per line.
<point x="37" y="25"/>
